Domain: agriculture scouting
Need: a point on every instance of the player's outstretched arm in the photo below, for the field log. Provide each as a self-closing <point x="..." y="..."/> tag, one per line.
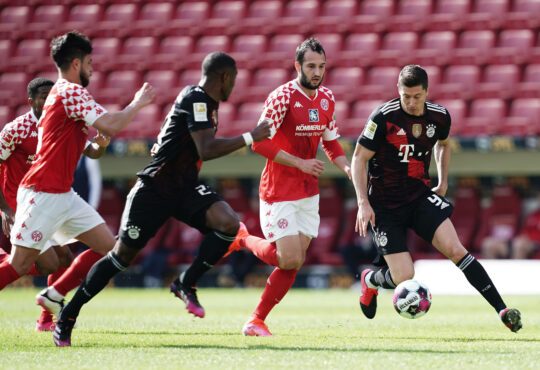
<point x="98" y="146"/>
<point x="210" y="147"/>
<point x="112" y="123"/>
<point x="442" y="159"/>
<point x="359" y="178"/>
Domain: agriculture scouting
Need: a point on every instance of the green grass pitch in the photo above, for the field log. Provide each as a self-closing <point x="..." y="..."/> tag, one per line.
<point x="313" y="329"/>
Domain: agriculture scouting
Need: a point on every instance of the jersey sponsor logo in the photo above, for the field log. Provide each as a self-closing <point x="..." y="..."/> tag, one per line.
<point x="437" y="201"/>
<point x="283" y="223"/>
<point x="30" y="158"/>
<point x="134" y="232"/>
<point x="401" y="132"/>
<point x="406" y="151"/>
<point x="37" y="236"/>
<point x="416" y="130"/>
<point x="369" y="130"/>
<point x="430" y="130"/>
<point x="313" y="115"/>
<point x="199" y="112"/>
<point x="298" y="105"/>
<point x="324" y="104"/>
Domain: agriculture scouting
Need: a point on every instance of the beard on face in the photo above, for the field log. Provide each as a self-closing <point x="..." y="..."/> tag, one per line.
<point x="85" y="79"/>
<point x="307" y="84"/>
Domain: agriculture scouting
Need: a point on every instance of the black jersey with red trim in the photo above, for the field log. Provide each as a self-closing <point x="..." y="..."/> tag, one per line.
<point x="175" y="159"/>
<point x="399" y="171"/>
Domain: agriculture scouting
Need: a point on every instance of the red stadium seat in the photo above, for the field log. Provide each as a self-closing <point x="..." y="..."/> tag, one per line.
<point x="145" y="125"/>
<point x="246" y="119"/>
<point x="359" y="49"/>
<point x="204" y="46"/>
<point x="6" y="115"/>
<point x="343" y="81"/>
<point x="224" y="15"/>
<point x="234" y="193"/>
<point x="169" y="49"/>
<point x="474" y="47"/>
<point x="514" y="47"/>
<point x="436" y="48"/>
<point x="13" y="88"/>
<point x="296" y="17"/>
<point x="331" y="43"/>
<point x="96" y="83"/>
<point x="381" y="83"/>
<point x="189" y="15"/>
<point x="458" y="111"/>
<point x="241" y="90"/>
<point x="485" y="117"/>
<point x="137" y="53"/>
<point x="525" y="15"/>
<point x="260" y="12"/>
<point x="26" y="54"/>
<point x="189" y="77"/>
<point x="117" y="20"/>
<point x="226" y="119"/>
<point x="523" y="118"/>
<point x="341" y="113"/>
<point x="335" y="16"/>
<point x="501" y="218"/>
<point x="411" y="15"/>
<point x="264" y="81"/>
<point x="396" y="49"/>
<point x="528" y="88"/>
<point x="166" y="85"/>
<point x="104" y="53"/>
<point x="47" y="20"/>
<point x="460" y="82"/>
<point x="487" y="14"/>
<point x="467" y="212"/>
<point x="153" y="17"/>
<point x="448" y="15"/>
<point x="247" y="49"/>
<point x="373" y="16"/>
<point x="120" y="86"/>
<point x="500" y="81"/>
<point x="84" y="17"/>
<point x="13" y="18"/>
<point x="280" y="51"/>
<point x="358" y="117"/>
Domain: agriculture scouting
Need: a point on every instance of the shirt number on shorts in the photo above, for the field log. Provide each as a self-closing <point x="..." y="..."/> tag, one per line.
<point x="435" y="199"/>
<point x="203" y="189"/>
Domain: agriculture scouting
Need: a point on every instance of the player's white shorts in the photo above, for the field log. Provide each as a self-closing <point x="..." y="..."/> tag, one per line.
<point x="286" y="218"/>
<point x="44" y="216"/>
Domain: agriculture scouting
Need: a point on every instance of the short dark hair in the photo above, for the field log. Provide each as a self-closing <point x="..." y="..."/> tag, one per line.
<point x="217" y="62"/>
<point x="413" y="75"/>
<point x="35" y="84"/>
<point x="69" y="46"/>
<point x="310" y="44"/>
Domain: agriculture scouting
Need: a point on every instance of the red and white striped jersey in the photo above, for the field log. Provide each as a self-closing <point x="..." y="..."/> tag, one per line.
<point x="298" y="122"/>
<point x="62" y="133"/>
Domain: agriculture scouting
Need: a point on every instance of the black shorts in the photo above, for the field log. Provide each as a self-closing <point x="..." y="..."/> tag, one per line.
<point x="423" y="215"/>
<point x="147" y="209"/>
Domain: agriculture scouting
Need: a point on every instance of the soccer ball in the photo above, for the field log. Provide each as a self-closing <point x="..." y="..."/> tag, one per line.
<point x="412" y="299"/>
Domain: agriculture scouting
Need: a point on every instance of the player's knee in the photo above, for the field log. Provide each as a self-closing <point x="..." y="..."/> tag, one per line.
<point x="46" y="267"/>
<point x="291" y="262"/>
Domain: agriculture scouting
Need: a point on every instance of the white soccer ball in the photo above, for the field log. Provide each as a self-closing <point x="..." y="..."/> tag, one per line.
<point x="412" y="299"/>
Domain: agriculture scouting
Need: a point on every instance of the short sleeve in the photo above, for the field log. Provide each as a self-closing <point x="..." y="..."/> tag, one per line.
<point x="7" y="141"/>
<point x="373" y="133"/>
<point x="199" y="113"/>
<point x="444" y="132"/>
<point x="275" y="108"/>
<point x="331" y="131"/>
<point x="80" y="105"/>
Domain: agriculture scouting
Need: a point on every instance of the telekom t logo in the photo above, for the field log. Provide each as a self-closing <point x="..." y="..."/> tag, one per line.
<point x="406" y="151"/>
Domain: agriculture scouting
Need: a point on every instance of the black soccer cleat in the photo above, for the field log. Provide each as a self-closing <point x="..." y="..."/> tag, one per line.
<point x="189" y="296"/>
<point x="62" y="332"/>
<point x="511" y="317"/>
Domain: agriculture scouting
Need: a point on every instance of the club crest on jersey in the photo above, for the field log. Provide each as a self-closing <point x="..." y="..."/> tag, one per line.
<point x="324" y="104"/>
<point x="416" y="130"/>
<point x="133" y="232"/>
<point x="313" y="115"/>
<point x="430" y="130"/>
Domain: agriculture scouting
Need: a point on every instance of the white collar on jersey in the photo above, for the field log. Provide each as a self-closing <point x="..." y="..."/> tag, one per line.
<point x="33" y="115"/>
<point x="297" y="87"/>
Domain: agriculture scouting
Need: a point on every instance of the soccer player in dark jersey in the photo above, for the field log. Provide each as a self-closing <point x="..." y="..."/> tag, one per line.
<point x="398" y="141"/>
<point x="169" y="186"/>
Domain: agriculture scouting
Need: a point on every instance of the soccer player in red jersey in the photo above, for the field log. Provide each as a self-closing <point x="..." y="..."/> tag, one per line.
<point x="398" y="141"/>
<point x="18" y="142"/>
<point x="301" y="113"/>
<point x="47" y="207"/>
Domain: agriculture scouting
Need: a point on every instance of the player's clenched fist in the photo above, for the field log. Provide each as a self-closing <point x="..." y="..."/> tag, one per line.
<point x="145" y="95"/>
<point x="261" y="132"/>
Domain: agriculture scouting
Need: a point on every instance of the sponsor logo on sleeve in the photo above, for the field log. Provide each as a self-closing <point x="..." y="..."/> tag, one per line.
<point x="369" y="130"/>
<point x="200" y="112"/>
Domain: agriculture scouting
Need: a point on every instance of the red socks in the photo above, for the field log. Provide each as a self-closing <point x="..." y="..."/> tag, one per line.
<point x="278" y="284"/>
<point x="76" y="273"/>
<point x="52" y="278"/>
<point x="7" y="274"/>
<point x="262" y="249"/>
